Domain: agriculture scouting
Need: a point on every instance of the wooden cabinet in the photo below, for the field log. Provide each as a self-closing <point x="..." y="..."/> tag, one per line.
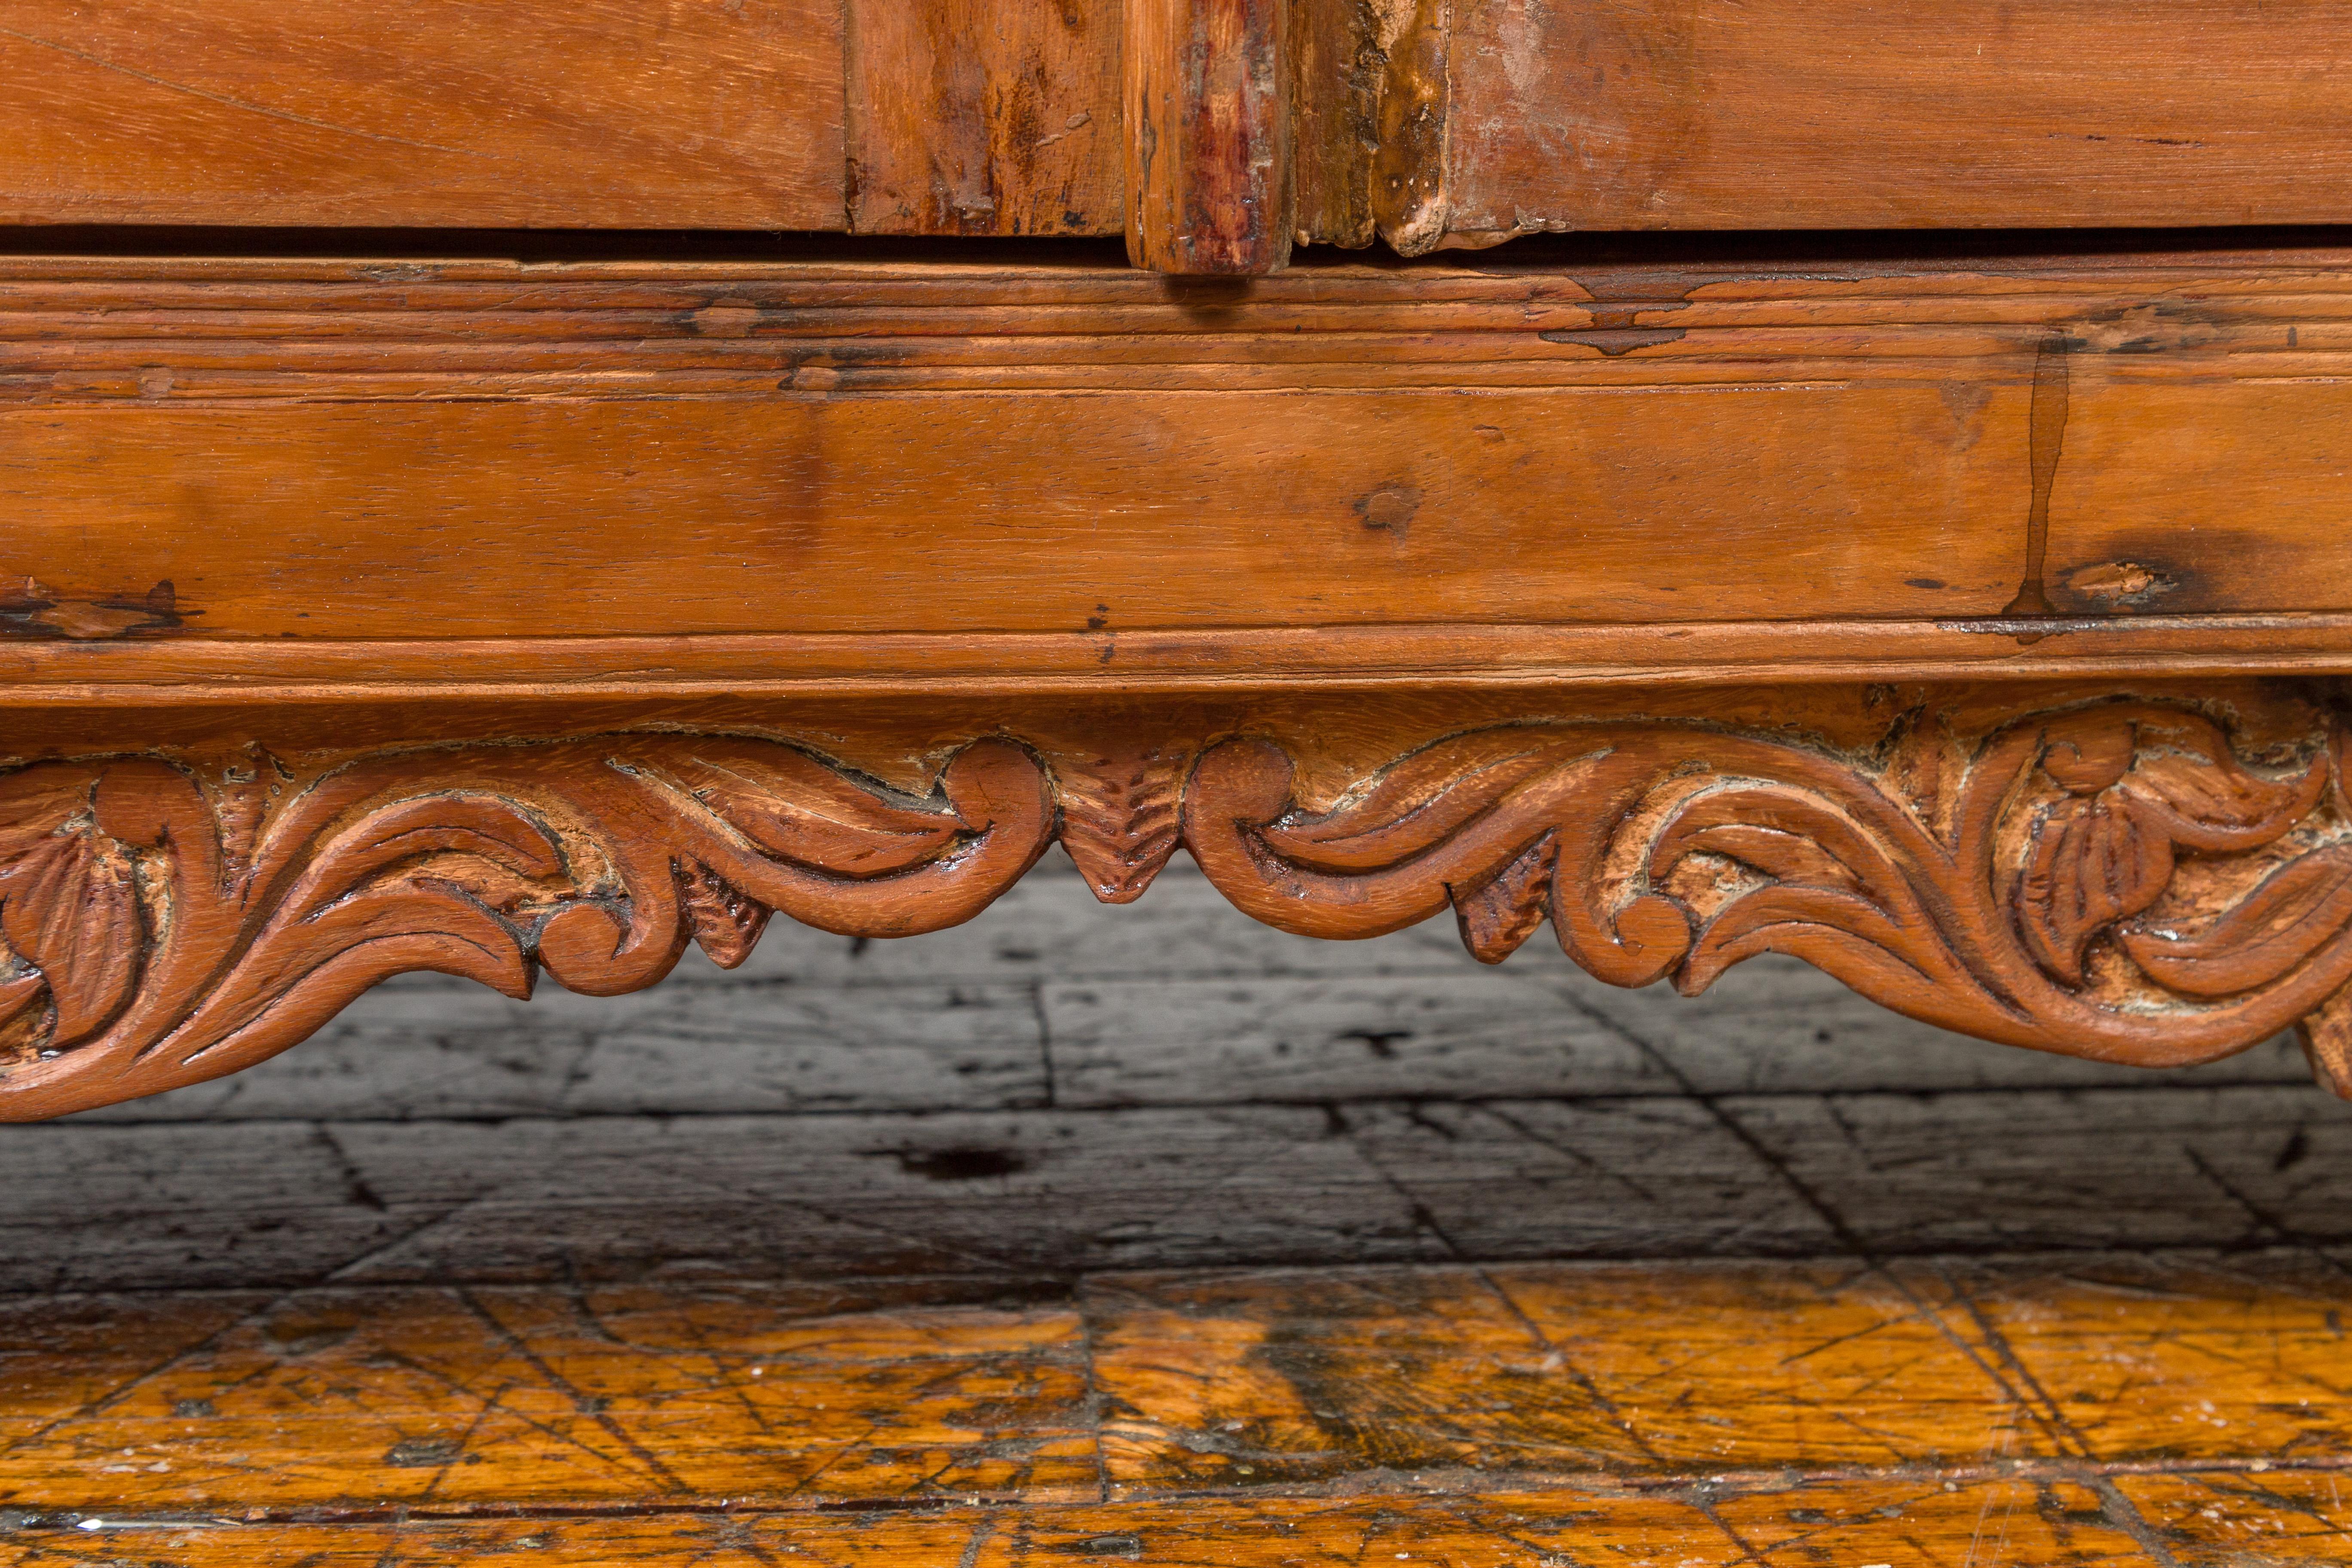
<point x="381" y="587"/>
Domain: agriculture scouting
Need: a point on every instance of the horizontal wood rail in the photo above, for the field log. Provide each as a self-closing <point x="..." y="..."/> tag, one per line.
<point x="1083" y="473"/>
<point x="117" y="673"/>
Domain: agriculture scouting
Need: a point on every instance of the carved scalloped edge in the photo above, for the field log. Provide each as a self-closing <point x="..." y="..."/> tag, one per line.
<point x="2108" y="879"/>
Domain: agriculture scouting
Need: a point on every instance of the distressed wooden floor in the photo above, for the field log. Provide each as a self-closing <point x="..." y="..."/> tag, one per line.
<point x="1147" y="1236"/>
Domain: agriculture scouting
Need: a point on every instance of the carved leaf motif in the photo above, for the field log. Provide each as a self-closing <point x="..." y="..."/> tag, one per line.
<point x="808" y="813"/>
<point x="497" y="845"/>
<point x="19" y="992"/>
<point x="1425" y="800"/>
<point x="2187" y="777"/>
<point x="726" y="921"/>
<point x="243" y="796"/>
<point x="595" y="859"/>
<point x="68" y="904"/>
<point x="1783" y="856"/>
<point x="2094" y="862"/>
<point x="1499" y="913"/>
<point x="2294" y="912"/>
<point x="1121" y="815"/>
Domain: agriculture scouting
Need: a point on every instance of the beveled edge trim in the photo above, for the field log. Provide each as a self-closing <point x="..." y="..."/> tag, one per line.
<point x="193" y="669"/>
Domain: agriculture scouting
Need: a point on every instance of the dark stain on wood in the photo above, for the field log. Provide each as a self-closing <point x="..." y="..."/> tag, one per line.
<point x="1621" y="297"/>
<point x="961" y="1164"/>
<point x="1616" y="342"/>
<point x="2046" y="444"/>
<point x="1336" y="66"/>
<point x="30" y="611"/>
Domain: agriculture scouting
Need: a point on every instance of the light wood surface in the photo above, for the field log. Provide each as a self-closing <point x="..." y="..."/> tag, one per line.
<point x="788" y="451"/>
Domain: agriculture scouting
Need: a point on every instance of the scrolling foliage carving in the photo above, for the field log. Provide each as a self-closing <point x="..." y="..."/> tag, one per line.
<point x="2031" y="887"/>
<point x="164" y="927"/>
<point x="2111" y="878"/>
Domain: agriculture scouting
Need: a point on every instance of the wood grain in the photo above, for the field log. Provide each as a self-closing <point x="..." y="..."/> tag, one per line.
<point x="1209" y="186"/>
<point x="987" y="1199"/>
<point x="1511" y="118"/>
<point x="1441" y="127"/>
<point x="1473" y="453"/>
<point x="2221" y="1518"/>
<point x="604" y="114"/>
<point x="971" y="119"/>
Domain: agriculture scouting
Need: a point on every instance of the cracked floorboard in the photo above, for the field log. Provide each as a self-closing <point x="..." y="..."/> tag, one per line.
<point x="1147" y="1237"/>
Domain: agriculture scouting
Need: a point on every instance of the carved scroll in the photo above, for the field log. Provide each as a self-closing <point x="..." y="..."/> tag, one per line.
<point x="2110" y="879"/>
<point x="165" y="928"/>
<point x="2027" y="893"/>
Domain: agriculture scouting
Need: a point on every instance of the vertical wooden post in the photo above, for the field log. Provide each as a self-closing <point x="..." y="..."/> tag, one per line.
<point x="1208" y="171"/>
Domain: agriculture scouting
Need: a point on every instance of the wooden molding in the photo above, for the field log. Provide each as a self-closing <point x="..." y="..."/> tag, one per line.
<point x="2137" y="875"/>
<point x="59" y="672"/>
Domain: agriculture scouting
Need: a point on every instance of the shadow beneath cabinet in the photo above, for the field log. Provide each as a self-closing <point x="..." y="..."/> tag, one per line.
<point x="1058" y="1088"/>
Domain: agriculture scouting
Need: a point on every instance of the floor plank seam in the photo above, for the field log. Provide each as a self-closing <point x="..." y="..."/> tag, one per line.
<point x="2154" y="1086"/>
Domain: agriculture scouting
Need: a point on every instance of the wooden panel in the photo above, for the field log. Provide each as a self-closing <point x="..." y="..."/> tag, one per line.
<point x="450" y="113"/>
<point x="1514" y="117"/>
<point x="792" y="450"/>
<point x="971" y="117"/>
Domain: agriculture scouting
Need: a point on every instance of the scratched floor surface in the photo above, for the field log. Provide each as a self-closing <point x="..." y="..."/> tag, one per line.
<point x="1147" y="1236"/>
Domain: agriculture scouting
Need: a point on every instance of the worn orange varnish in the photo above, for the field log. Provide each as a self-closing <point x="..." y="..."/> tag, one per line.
<point x="1452" y="1414"/>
